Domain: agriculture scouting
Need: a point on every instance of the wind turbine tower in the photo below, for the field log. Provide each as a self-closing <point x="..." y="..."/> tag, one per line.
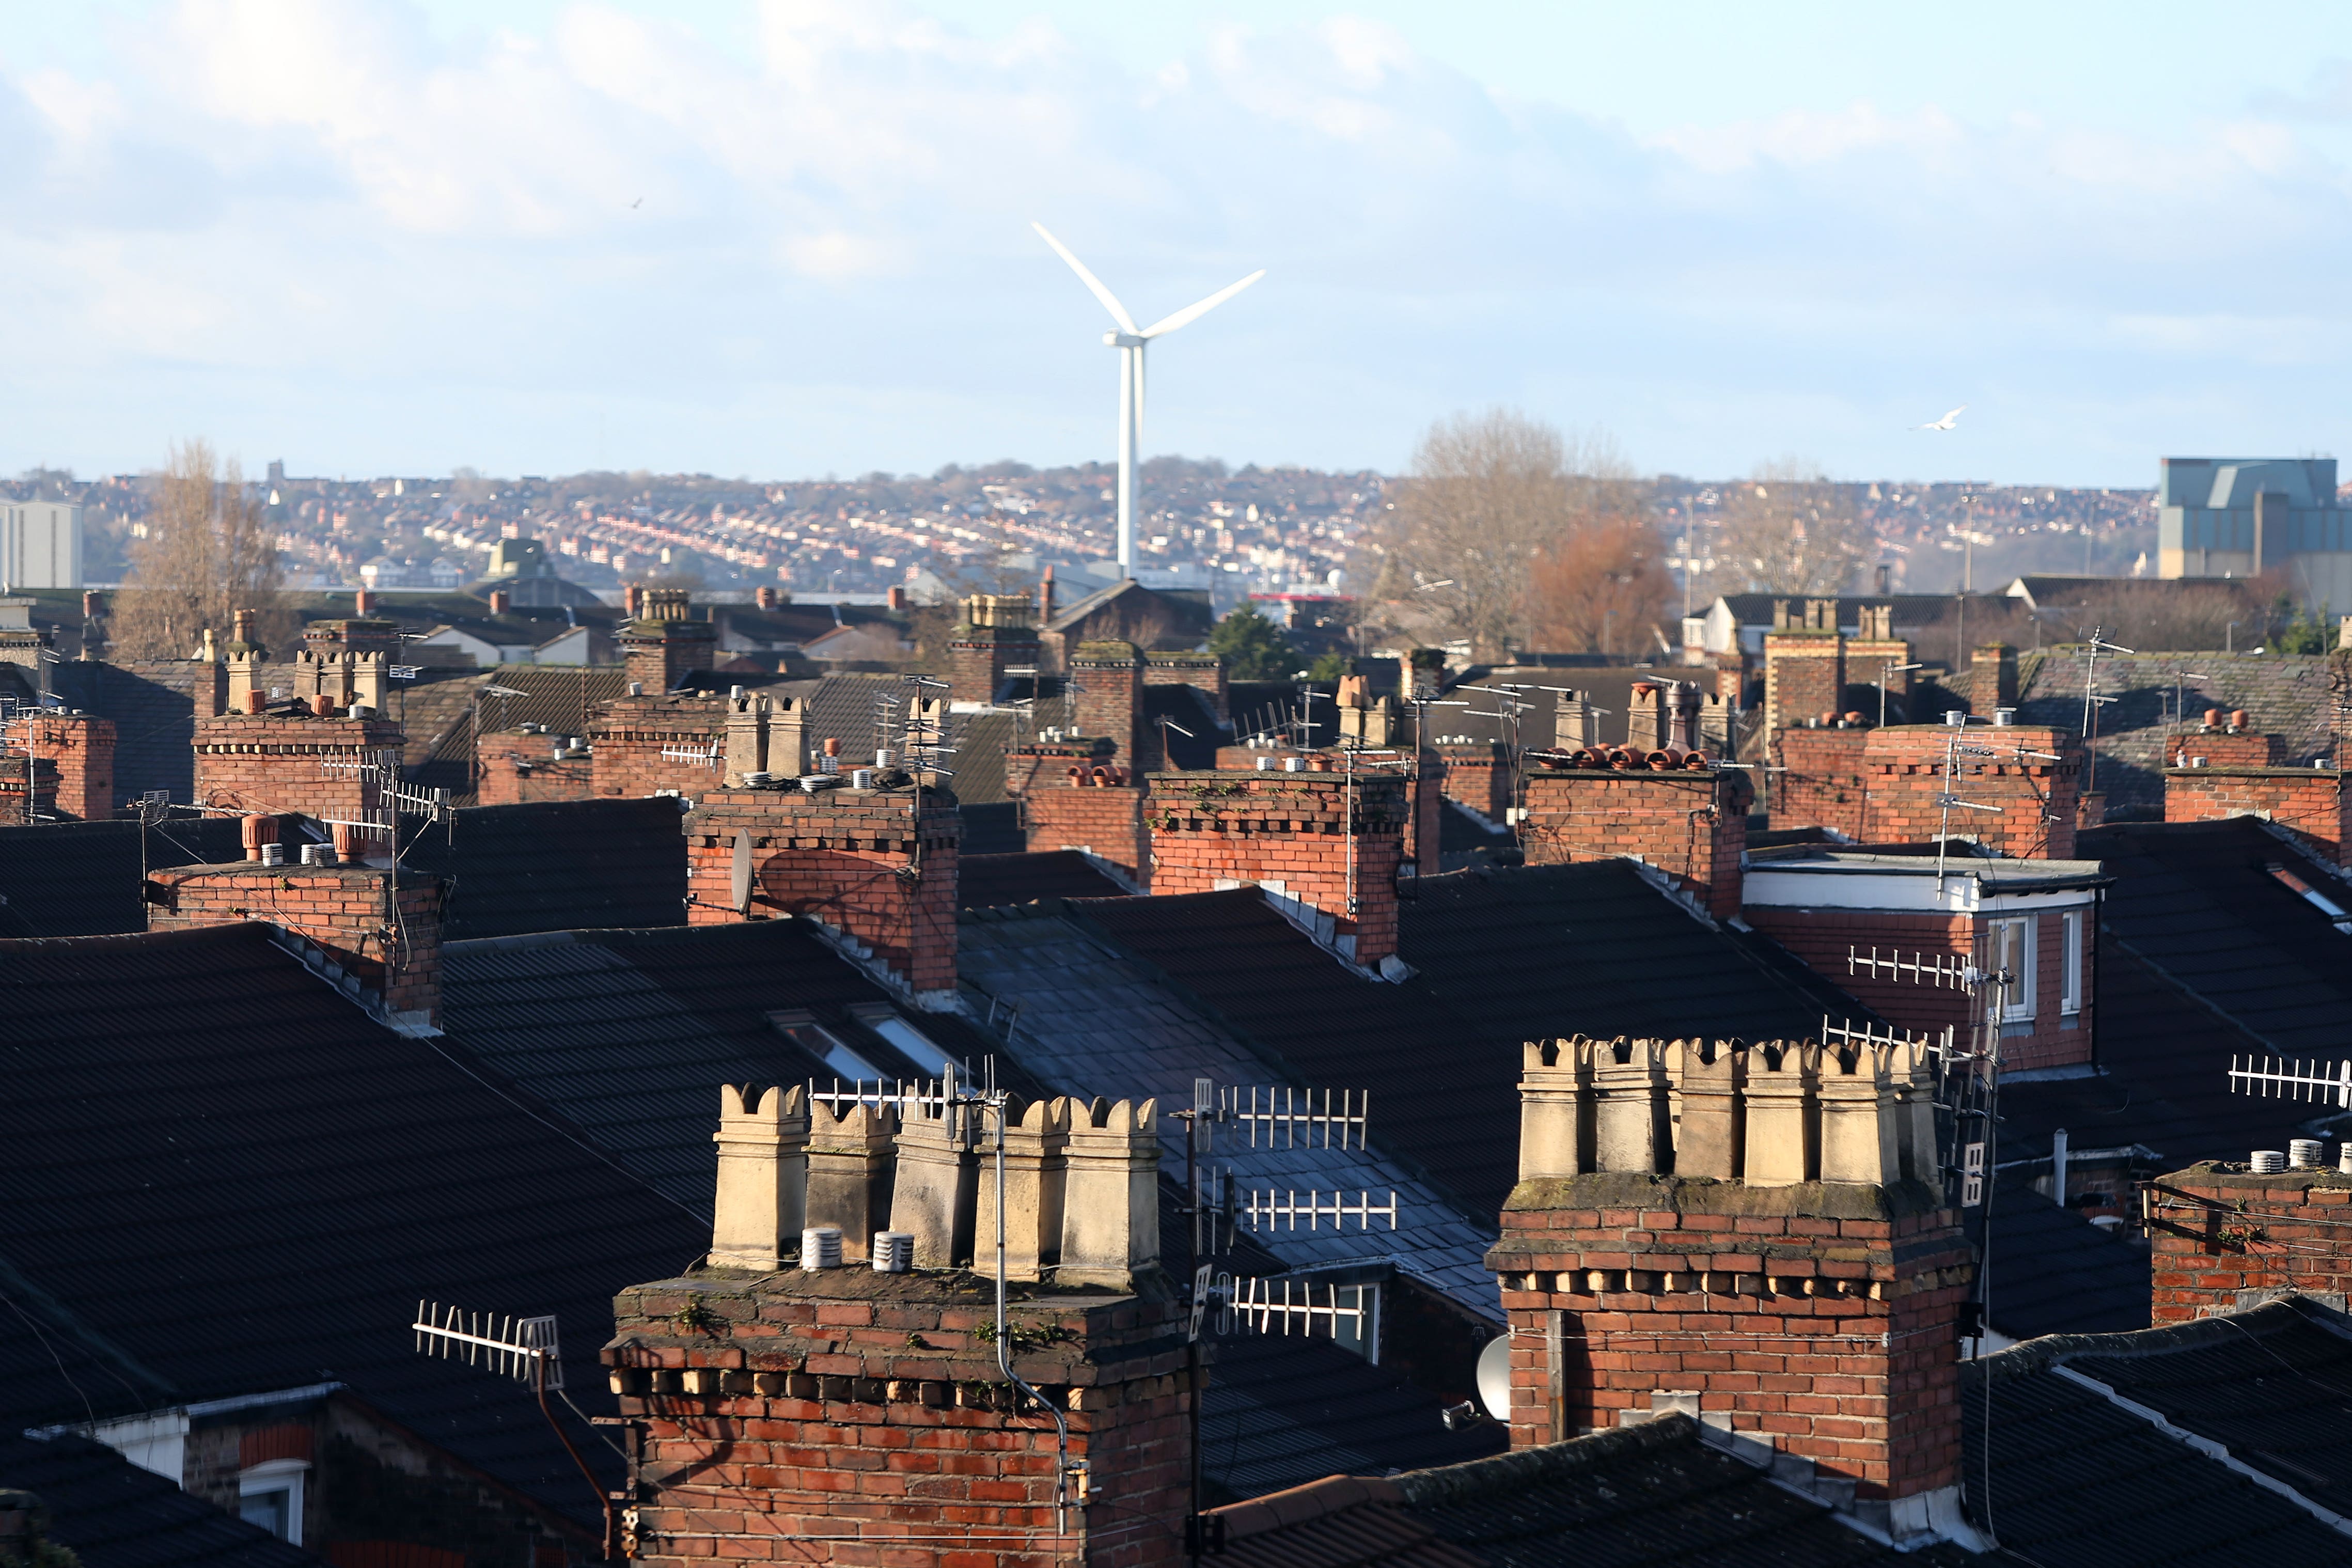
<point x="1130" y="341"/>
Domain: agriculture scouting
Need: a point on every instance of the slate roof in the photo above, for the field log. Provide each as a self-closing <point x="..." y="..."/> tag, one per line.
<point x="2161" y="1081"/>
<point x="113" y="1514"/>
<point x="992" y="827"/>
<point x="2197" y="900"/>
<point x="226" y="1179"/>
<point x="2283" y="694"/>
<point x="1658" y="1493"/>
<point x="2053" y="1271"/>
<point x="1284" y="1411"/>
<point x="153" y="704"/>
<point x="556" y="865"/>
<point x="1095" y="1020"/>
<point x="629" y="1034"/>
<point x="984" y="881"/>
<point x="1504" y="955"/>
<point x="2078" y="1481"/>
<point x="82" y="878"/>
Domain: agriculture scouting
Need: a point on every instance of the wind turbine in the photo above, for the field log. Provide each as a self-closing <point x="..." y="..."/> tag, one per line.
<point x="1129" y="341"/>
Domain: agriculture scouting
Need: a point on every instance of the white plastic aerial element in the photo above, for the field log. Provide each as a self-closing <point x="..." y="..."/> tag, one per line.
<point x="1947" y="422"/>
<point x="1129" y="341"/>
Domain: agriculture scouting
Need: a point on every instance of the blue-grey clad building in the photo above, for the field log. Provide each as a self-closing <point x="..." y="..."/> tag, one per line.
<point x="2240" y="517"/>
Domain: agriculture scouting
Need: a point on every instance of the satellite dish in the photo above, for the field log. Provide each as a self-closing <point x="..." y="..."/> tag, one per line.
<point x="1494" y="1377"/>
<point x="742" y="883"/>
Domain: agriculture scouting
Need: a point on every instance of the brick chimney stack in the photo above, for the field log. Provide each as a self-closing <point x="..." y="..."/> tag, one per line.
<point x="860" y="861"/>
<point x="1073" y="795"/>
<point x="1804" y="663"/>
<point x="2225" y="1237"/>
<point x="1779" y="1262"/>
<point x="316" y="761"/>
<point x="388" y="950"/>
<point x="249" y="685"/>
<point x="1994" y="668"/>
<point x="1109" y="677"/>
<point x="1329" y="839"/>
<point x="1678" y="812"/>
<point x="818" y="1366"/>
<point x="998" y="632"/>
<point x="81" y="745"/>
<point x="662" y="642"/>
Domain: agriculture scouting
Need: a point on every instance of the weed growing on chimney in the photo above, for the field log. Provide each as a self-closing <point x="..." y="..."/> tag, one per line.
<point x="917" y="1341"/>
<point x="697" y="1317"/>
<point x="2239" y="1238"/>
<point x="1024" y="1336"/>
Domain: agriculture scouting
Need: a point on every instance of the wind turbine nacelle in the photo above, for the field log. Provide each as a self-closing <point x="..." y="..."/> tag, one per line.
<point x="1123" y="341"/>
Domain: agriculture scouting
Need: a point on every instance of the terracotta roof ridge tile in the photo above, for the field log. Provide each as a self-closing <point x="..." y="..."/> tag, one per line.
<point x="1300" y="1504"/>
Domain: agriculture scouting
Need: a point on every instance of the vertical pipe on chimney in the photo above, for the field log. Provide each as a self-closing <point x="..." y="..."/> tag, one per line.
<point x="2058" y="1167"/>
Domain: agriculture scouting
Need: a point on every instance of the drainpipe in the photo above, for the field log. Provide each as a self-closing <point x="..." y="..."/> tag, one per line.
<point x="2058" y="1166"/>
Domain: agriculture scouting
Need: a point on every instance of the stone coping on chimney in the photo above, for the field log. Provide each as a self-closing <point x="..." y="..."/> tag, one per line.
<point x="961" y="1288"/>
<point x="342" y="869"/>
<point x="2273" y="770"/>
<point x="2225" y="1173"/>
<point x="1648" y="1190"/>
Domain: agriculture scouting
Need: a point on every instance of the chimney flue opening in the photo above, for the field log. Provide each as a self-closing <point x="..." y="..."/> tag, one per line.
<point x="820" y="1248"/>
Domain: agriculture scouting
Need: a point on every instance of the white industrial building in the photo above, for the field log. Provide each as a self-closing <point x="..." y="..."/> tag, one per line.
<point x="40" y="544"/>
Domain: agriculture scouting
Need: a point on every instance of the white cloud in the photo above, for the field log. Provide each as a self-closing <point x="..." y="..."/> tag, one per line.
<point x="327" y="194"/>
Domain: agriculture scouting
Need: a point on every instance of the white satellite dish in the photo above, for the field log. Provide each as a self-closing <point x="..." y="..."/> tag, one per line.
<point x="1494" y="1377"/>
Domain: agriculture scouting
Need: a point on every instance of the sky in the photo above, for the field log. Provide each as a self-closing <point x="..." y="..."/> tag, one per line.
<point x="785" y="239"/>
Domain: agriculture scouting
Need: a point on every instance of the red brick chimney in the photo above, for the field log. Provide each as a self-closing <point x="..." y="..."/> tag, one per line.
<point x="81" y="745"/>
<point x="815" y="1366"/>
<point x="2031" y="773"/>
<point x="1073" y="795"/>
<point x="1330" y="840"/>
<point x="363" y="602"/>
<point x="1777" y="1260"/>
<point x="1994" y="668"/>
<point x="1681" y="813"/>
<point x="661" y="643"/>
<point x="1804" y="663"/>
<point x="501" y="601"/>
<point x="2217" y="773"/>
<point x="894" y="598"/>
<point x="998" y="633"/>
<point x="859" y="860"/>
<point x="1477" y="775"/>
<point x="388" y="950"/>
<point x="764" y="598"/>
<point x="2224" y="1237"/>
<point x="1109" y="677"/>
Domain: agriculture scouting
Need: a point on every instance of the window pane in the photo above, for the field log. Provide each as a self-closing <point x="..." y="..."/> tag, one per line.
<point x="271" y="1511"/>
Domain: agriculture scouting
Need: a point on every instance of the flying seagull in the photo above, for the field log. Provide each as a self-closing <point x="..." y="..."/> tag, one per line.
<point x="1945" y="423"/>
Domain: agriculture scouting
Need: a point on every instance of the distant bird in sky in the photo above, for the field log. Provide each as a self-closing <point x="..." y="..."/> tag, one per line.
<point x="1945" y="423"/>
<point x="638" y="203"/>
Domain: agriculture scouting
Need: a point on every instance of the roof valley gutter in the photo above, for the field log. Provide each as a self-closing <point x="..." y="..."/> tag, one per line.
<point x="2207" y="1446"/>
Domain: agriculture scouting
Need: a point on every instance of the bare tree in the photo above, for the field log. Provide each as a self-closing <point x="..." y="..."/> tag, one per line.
<point x="1602" y="589"/>
<point x="1490" y="493"/>
<point x="208" y="554"/>
<point x="1787" y="529"/>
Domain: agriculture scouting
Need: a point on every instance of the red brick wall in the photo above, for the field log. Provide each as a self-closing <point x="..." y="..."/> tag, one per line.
<point x="658" y="653"/>
<point x="342" y="908"/>
<point x="1821" y="782"/>
<point x="1426" y="827"/>
<point x="1204" y="671"/>
<point x="516" y="765"/>
<point x="1107" y="820"/>
<point x="629" y="734"/>
<point x="82" y="746"/>
<point x="1804" y="677"/>
<point x="1692" y="825"/>
<point x="2217" y="1232"/>
<point x="279" y="764"/>
<point x="1903" y="765"/>
<point x="13" y="808"/>
<point x="845" y="856"/>
<point x="1292" y="828"/>
<point x="1111" y="676"/>
<point x="1824" y="940"/>
<point x="2310" y="803"/>
<point x="1831" y="1337"/>
<point x="2221" y="749"/>
<point x="979" y="656"/>
<point x="1478" y="777"/>
<point x="862" y="1421"/>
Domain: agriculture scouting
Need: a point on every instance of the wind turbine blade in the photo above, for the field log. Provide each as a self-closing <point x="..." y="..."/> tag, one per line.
<point x="1191" y="313"/>
<point x="1110" y="300"/>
